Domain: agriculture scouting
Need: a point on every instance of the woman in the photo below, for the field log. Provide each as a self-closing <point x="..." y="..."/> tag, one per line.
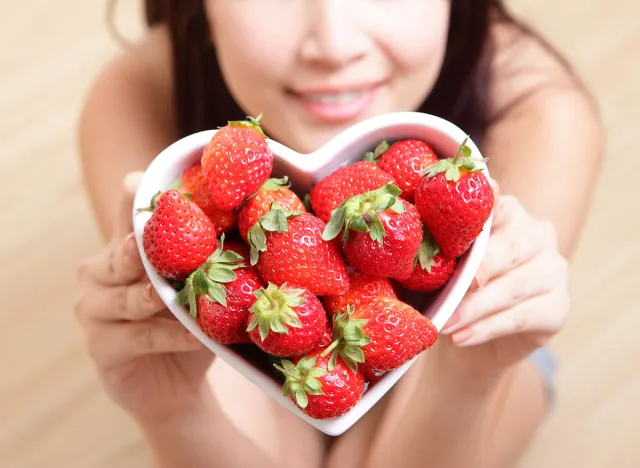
<point x="313" y="68"/>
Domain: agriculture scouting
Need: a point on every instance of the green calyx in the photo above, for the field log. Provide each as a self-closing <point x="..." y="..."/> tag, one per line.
<point x="274" y="184"/>
<point x="250" y="122"/>
<point x="427" y="252"/>
<point x="275" y="220"/>
<point x="301" y="379"/>
<point x="360" y="213"/>
<point x="349" y="338"/>
<point x="452" y="166"/>
<point x="154" y="203"/>
<point x="272" y="310"/>
<point x="210" y="277"/>
<point x="374" y="156"/>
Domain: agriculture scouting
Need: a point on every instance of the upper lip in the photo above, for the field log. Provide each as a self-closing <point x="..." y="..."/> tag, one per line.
<point x="336" y="89"/>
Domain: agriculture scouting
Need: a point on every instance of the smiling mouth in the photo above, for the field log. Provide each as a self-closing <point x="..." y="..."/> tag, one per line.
<point x="336" y="104"/>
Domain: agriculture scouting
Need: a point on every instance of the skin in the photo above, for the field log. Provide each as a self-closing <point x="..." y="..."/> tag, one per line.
<point x="488" y="399"/>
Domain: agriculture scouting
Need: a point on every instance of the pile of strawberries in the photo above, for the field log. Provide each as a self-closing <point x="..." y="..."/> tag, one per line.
<point x="315" y="284"/>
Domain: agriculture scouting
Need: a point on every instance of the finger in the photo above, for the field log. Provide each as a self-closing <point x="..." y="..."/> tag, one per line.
<point x="541" y="275"/>
<point x="507" y="210"/>
<point x="119" y="263"/>
<point x="114" y="343"/>
<point x="137" y="301"/>
<point x="545" y="314"/>
<point x="508" y="249"/>
<point x="130" y="184"/>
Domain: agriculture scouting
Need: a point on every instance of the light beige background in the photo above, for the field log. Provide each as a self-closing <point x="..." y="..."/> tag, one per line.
<point x="52" y="410"/>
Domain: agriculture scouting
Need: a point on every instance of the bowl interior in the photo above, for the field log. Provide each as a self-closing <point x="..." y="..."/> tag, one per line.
<point x="304" y="170"/>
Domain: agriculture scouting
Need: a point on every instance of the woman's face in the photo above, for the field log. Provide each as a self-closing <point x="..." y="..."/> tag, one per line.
<point x="316" y="67"/>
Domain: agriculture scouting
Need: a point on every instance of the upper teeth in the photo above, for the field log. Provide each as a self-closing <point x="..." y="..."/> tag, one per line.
<point x="335" y="98"/>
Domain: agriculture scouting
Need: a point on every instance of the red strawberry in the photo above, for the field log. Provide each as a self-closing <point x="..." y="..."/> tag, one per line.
<point x="344" y="183"/>
<point x="272" y="191"/>
<point x="178" y="237"/>
<point x="362" y="289"/>
<point x="285" y="322"/>
<point x="319" y="392"/>
<point x="455" y="200"/>
<point x="219" y="295"/>
<point x="381" y="233"/>
<point x="432" y="269"/>
<point x="404" y="160"/>
<point x="382" y="335"/>
<point x="193" y="183"/>
<point x="292" y="251"/>
<point x="236" y="162"/>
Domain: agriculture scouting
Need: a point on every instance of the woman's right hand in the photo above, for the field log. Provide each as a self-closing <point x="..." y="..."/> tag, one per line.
<point x="147" y="361"/>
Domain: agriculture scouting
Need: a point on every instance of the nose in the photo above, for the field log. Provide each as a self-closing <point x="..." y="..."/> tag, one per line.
<point x="334" y="36"/>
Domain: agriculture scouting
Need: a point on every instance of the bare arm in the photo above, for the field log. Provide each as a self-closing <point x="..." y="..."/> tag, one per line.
<point x="126" y="122"/>
<point x="545" y="151"/>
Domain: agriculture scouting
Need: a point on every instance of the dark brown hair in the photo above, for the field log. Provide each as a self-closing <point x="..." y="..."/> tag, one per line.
<point x="460" y="95"/>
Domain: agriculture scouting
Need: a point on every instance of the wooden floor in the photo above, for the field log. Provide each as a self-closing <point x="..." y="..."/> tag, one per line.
<point x="52" y="410"/>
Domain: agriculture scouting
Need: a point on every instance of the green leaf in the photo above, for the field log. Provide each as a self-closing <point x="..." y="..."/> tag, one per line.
<point x="218" y="293"/>
<point x="332" y="360"/>
<point x="263" y="328"/>
<point x="377" y="231"/>
<point x="230" y="257"/>
<point x="453" y="173"/>
<point x="200" y="283"/>
<point x="359" y="224"/>
<point x="273" y="184"/>
<point x="313" y="384"/>
<point x="257" y="242"/>
<point x="301" y="398"/>
<point x="335" y="224"/>
<point x="466" y="151"/>
<point x="354" y="354"/>
<point x="193" y="307"/>
<point x="220" y="274"/>
<point x="369" y="157"/>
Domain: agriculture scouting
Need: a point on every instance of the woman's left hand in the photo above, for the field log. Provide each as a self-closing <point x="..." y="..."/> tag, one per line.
<point x="519" y="299"/>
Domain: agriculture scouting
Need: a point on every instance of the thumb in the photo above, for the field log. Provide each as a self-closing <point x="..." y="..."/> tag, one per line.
<point x="130" y="184"/>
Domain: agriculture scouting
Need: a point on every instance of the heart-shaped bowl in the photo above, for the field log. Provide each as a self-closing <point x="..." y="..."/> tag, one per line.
<point x="304" y="170"/>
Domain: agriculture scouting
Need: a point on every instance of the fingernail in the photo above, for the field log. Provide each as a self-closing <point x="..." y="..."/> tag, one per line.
<point x="480" y="279"/>
<point x="450" y="326"/>
<point x="462" y="336"/>
<point x="130" y="246"/>
<point x="148" y="292"/>
<point x="191" y="338"/>
<point x="132" y="180"/>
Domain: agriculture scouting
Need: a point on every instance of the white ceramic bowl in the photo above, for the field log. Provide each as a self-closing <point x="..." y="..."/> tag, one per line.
<point x="304" y="170"/>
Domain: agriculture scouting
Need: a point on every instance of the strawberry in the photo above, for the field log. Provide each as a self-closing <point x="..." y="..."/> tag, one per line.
<point x="236" y="162"/>
<point x="455" y="200"/>
<point x="289" y="249"/>
<point x="219" y="295"/>
<point x="381" y="335"/>
<point x="178" y="237"/>
<point x="362" y="289"/>
<point x="404" y="160"/>
<point x="344" y="183"/>
<point x="192" y="182"/>
<point x="319" y="392"/>
<point x="285" y="322"/>
<point x="272" y="191"/>
<point x="432" y="268"/>
<point x="381" y="233"/>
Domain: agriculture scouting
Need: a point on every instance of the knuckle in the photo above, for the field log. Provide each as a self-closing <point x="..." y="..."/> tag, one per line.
<point x="516" y="289"/>
<point x="521" y="319"/>
<point x="144" y="335"/>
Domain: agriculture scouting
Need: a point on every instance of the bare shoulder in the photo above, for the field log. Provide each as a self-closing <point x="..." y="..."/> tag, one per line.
<point x="127" y="118"/>
<point x="543" y="120"/>
<point x="139" y="76"/>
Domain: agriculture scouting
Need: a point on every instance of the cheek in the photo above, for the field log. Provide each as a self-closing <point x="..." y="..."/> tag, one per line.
<point x="250" y="39"/>
<point x="416" y="40"/>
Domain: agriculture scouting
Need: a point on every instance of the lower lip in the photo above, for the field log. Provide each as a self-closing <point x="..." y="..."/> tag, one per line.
<point x="338" y="111"/>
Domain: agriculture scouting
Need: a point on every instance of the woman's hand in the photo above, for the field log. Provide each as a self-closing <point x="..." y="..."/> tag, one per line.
<point x="149" y="364"/>
<point x="520" y="298"/>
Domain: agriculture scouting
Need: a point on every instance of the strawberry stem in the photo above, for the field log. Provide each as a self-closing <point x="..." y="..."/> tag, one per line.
<point x="457" y="156"/>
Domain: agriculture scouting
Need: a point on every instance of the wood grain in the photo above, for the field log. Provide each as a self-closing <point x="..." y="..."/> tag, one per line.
<point x="53" y="412"/>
